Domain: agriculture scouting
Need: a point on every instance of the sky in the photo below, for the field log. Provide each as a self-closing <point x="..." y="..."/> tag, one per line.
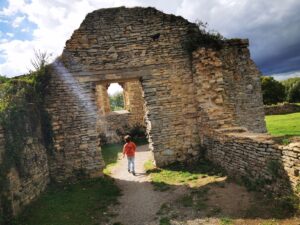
<point x="272" y="26"/>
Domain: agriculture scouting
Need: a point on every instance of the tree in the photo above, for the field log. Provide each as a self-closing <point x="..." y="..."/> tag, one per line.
<point x="273" y="91"/>
<point x="294" y="92"/>
<point x="292" y="89"/>
<point x="40" y="59"/>
<point x="116" y="101"/>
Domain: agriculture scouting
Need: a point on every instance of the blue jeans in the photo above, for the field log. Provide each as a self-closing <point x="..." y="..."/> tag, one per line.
<point x="130" y="163"/>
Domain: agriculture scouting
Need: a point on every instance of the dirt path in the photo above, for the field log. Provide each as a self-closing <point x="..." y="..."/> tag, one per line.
<point x="139" y="202"/>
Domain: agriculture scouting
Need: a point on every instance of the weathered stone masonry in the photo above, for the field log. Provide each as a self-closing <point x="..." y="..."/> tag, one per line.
<point x="24" y="184"/>
<point x="120" y="44"/>
<point x="201" y="102"/>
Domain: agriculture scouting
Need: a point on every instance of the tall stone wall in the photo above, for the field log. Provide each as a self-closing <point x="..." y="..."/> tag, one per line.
<point x="185" y="93"/>
<point x="228" y="89"/>
<point x="73" y="117"/>
<point x="25" y="182"/>
<point x="142" y="44"/>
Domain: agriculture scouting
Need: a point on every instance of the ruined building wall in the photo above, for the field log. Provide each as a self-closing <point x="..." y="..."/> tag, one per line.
<point x="228" y="89"/>
<point x="134" y="102"/>
<point x="255" y="158"/>
<point x="24" y="182"/>
<point x="184" y="94"/>
<point x="119" y="44"/>
<point x="73" y="118"/>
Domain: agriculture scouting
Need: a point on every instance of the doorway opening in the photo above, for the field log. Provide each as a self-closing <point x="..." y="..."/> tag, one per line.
<point x="116" y="97"/>
<point x="121" y="108"/>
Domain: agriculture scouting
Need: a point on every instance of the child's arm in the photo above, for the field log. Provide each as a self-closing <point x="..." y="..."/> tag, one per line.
<point x="123" y="151"/>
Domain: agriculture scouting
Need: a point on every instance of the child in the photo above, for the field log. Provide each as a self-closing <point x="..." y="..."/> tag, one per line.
<point x="129" y="149"/>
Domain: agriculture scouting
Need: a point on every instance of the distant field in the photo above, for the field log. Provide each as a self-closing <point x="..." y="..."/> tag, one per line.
<point x="288" y="124"/>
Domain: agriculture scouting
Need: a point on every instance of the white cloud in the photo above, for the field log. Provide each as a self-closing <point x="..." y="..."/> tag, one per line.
<point x="10" y="34"/>
<point x="55" y="20"/>
<point x="284" y="76"/>
<point x="265" y="23"/>
<point x="13" y="7"/>
<point x="17" y="21"/>
<point x="25" y="30"/>
<point x="4" y="21"/>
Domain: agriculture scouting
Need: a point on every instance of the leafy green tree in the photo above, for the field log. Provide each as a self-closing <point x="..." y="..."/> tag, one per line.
<point x="116" y="101"/>
<point x="273" y="91"/>
<point x="292" y="89"/>
<point x="294" y="92"/>
<point x="3" y="79"/>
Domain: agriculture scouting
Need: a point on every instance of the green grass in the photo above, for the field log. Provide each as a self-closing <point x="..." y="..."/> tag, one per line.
<point x="181" y="174"/>
<point x="279" y="125"/>
<point x="75" y="204"/>
<point x="226" y="221"/>
<point x="110" y="154"/>
<point x="164" y="221"/>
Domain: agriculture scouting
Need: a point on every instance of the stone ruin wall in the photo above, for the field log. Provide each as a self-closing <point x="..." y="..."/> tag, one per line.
<point x="228" y="92"/>
<point x="25" y="183"/>
<point x="250" y="156"/>
<point x="116" y="45"/>
<point x="184" y="96"/>
<point x="193" y="105"/>
<point x="284" y="108"/>
<point x="230" y="111"/>
<point x="73" y="116"/>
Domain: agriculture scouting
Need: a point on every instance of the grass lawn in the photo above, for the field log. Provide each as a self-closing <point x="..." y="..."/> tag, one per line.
<point x="110" y="154"/>
<point x="83" y="203"/>
<point x="177" y="174"/>
<point x="74" y="204"/>
<point x="280" y="125"/>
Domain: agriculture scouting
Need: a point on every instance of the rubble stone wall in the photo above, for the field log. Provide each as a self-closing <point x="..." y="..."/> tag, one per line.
<point x="29" y="179"/>
<point x="280" y="109"/>
<point x="184" y="93"/>
<point x="255" y="157"/>
<point x="142" y="44"/>
<point x="228" y="88"/>
<point x="73" y="112"/>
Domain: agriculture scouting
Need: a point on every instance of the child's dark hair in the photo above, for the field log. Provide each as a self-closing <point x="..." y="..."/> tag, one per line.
<point x="127" y="138"/>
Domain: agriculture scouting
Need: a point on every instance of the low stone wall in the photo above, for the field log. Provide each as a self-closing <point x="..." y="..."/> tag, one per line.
<point x="255" y="158"/>
<point x="279" y="109"/>
<point x="111" y="125"/>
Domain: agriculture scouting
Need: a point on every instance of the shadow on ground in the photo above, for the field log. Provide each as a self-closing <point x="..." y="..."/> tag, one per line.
<point x="193" y="194"/>
<point x="220" y="202"/>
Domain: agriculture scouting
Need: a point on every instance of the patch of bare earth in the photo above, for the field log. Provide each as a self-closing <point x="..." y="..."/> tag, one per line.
<point x="210" y="200"/>
<point x="139" y="202"/>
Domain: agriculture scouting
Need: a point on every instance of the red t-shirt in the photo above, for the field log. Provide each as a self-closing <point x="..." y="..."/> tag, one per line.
<point x="129" y="149"/>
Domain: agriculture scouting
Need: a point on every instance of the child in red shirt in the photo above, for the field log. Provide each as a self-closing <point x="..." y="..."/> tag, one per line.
<point x="129" y="150"/>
